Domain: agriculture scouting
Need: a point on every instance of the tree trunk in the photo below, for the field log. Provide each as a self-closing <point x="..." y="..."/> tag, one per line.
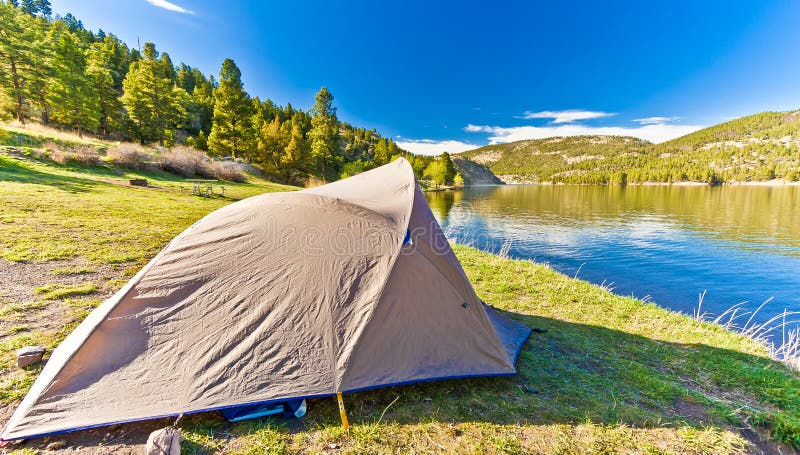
<point x="18" y="92"/>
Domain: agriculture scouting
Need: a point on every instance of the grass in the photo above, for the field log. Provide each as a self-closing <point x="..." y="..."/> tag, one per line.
<point x="57" y="291"/>
<point x="109" y="223"/>
<point x="609" y="374"/>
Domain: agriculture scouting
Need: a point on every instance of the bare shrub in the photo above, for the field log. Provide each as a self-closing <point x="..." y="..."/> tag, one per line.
<point x="132" y="156"/>
<point x="79" y="154"/>
<point x="227" y="170"/>
<point x="187" y="162"/>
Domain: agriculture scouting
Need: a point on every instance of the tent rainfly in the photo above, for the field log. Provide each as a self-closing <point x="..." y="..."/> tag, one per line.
<point x="340" y="288"/>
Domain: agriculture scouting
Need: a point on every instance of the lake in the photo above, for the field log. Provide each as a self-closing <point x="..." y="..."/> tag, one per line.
<point x="667" y="244"/>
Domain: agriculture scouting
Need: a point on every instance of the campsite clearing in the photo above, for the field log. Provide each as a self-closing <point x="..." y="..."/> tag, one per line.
<point x="609" y="374"/>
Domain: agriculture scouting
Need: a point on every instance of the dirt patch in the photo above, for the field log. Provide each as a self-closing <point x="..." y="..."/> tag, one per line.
<point x="694" y="412"/>
<point x="18" y="280"/>
<point x="115" y="439"/>
<point x="24" y="311"/>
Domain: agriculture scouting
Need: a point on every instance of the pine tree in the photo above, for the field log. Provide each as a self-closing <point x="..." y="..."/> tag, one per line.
<point x="101" y="73"/>
<point x="167" y="67"/>
<point x="449" y="167"/>
<point x="23" y="56"/>
<point x="202" y="102"/>
<point x="39" y="8"/>
<point x="153" y="103"/>
<point x="231" y="131"/>
<point x="381" y="153"/>
<point x="271" y="143"/>
<point x="74" y="101"/>
<point x="295" y="153"/>
<point x="184" y="78"/>
<point x="324" y="134"/>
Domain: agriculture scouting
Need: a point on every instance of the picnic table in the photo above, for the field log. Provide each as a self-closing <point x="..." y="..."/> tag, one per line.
<point x="204" y="187"/>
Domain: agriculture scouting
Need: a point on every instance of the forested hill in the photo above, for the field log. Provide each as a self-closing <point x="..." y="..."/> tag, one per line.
<point x="56" y="72"/>
<point x="763" y="146"/>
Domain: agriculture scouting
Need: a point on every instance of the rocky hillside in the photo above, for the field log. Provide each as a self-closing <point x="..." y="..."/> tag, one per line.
<point x="475" y="173"/>
<point x="759" y="147"/>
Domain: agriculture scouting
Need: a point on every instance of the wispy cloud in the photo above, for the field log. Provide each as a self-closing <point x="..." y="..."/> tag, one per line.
<point x="170" y="6"/>
<point x="653" y="132"/>
<point x="431" y="147"/>
<point x="568" y="116"/>
<point x="655" y="120"/>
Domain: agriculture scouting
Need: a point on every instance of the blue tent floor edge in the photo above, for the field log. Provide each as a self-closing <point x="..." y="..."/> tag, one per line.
<point x="221" y="408"/>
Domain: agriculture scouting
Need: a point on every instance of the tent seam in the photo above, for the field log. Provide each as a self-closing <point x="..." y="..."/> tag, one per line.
<point x="412" y="190"/>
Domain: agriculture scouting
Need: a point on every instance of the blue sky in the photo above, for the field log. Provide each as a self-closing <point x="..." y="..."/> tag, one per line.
<point x="454" y="75"/>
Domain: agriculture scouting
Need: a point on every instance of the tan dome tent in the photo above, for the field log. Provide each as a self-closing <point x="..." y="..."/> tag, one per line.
<point x="340" y="288"/>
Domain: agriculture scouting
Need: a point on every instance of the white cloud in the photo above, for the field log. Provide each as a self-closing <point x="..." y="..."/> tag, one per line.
<point x="170" y="6"/>
<point x="652" y="132"/>
<point x="655" y="120"/>
<point x="567" y="116"/>
<point x="432" y="148"/>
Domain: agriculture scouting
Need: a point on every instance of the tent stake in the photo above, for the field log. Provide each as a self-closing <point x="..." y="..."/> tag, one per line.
<point x="342" y="412"/>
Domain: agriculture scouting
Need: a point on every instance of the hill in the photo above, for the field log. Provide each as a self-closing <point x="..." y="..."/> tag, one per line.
<point x="759" y="147"/>
<point x="605" y="373"/>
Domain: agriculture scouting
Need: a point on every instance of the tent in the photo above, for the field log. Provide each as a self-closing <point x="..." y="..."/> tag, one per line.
<point x="335" y="289"/>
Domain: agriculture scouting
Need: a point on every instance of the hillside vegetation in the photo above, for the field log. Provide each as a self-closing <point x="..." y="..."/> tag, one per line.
<point x="604" y="373"/>
<point x="55" y="72"/>
<point x="759" y="147"/>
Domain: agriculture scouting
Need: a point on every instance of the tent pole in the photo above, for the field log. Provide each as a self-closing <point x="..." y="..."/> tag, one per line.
<point x="342" y="412"/>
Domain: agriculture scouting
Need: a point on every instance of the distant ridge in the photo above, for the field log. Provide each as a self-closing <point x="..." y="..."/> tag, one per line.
<point x="760" y="147"/>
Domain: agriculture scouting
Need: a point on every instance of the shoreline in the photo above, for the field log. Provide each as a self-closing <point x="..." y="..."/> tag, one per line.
<point x="772" y="348"/>
<point x="687" y="183"/>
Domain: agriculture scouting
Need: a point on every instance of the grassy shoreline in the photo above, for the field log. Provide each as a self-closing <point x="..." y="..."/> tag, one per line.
<point x="609" y="374"/>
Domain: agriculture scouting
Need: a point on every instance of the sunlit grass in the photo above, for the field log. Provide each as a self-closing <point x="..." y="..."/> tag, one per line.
<point x="607" y="374"/>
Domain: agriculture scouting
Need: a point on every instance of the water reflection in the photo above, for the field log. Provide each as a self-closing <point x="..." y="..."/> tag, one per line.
<point x="671" y="243"/>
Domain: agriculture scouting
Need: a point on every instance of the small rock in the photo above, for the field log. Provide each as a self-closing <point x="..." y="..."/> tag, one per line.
<point x="29" y="355"/>
<point x="57" y="445"/>
<point x="333" y="446"/>
<point x="166" y="441"/>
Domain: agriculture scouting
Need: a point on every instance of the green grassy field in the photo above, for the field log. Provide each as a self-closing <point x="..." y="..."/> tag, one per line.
<point x="609" y="374"/>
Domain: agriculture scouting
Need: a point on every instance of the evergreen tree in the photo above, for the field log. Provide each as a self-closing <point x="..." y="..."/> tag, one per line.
<point x="324" y="134"/>
<point x="202" y="102"/>
<point x="23" y="54"/>
<point x="381" y="152"/>
<point x="272" y="141"/>
<point x="231" y="130"/>
<point x="449" y="167"/>
<point x="184" y="78"/>
<point x="39" y="8"/>
<point x="201" y="141"/>
<point x="295" y="153"/>
<point x="74" y="101"/>
<point x="153" y="103"/>
<point x="167" y="67"/>
<point x="100" y="70"/>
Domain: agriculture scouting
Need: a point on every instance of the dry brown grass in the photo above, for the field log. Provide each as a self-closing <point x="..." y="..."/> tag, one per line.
<point x="187" y="162"/>
<point x="83" y="155"/>
<point x="226" y="170"/>
<point x="48" y="132"/>
<point x="132" y="156"/>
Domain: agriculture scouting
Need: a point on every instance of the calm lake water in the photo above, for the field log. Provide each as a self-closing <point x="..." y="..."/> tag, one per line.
<point x="669" y="243"/>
